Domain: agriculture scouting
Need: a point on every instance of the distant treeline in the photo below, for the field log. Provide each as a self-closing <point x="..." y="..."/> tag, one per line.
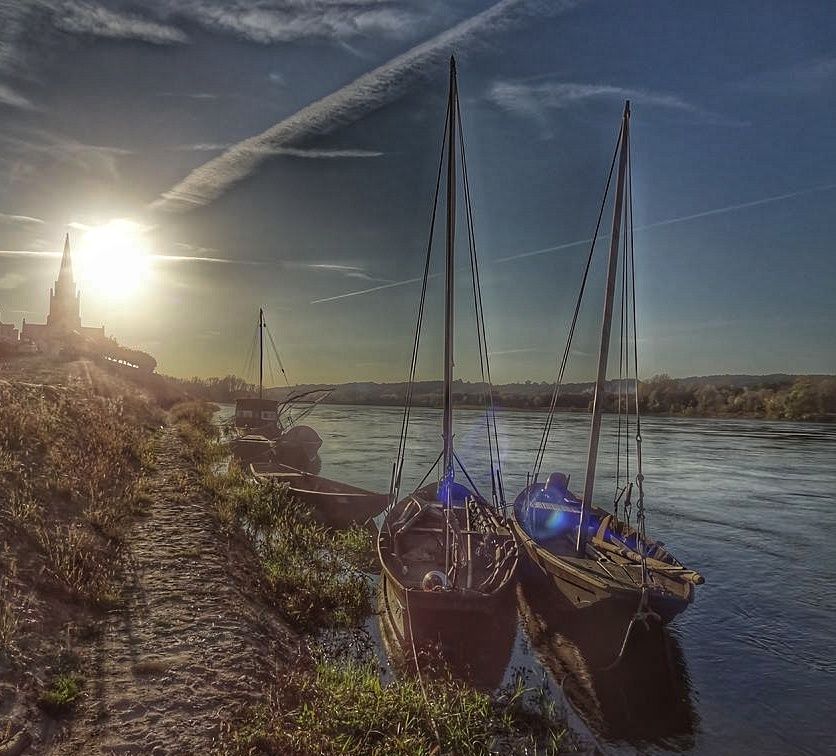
<point x="775" y="396"/>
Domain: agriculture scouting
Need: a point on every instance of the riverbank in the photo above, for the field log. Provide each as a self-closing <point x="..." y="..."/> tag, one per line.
<point x="151" y="603"/>
<point x="130" y="620"/>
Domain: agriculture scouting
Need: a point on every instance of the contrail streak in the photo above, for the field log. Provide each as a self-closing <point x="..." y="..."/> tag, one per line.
<point x="740" y="206"/>
<point x="368" y="291"/>
<point x="362" y="96"/>
<point x="579" y="242"/>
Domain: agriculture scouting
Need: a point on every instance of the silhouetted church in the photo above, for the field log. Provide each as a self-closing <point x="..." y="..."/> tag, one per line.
<point x="64" y="319"/>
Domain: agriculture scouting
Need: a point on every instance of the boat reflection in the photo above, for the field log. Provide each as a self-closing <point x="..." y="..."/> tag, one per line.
<point x="471" y="646"/>
<point x="644" y="699"/>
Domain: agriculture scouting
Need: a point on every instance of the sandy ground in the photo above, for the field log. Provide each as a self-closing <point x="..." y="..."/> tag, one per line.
<point x="189" y="644"/>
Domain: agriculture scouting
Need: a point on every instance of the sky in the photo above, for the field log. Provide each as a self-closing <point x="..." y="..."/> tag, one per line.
<point x="208" y="157"/>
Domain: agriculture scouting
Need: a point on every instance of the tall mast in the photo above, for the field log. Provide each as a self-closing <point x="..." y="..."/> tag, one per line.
<point x="260" y="352"/>
<point x="606" y="325"/>
<point x="448" y="281"/>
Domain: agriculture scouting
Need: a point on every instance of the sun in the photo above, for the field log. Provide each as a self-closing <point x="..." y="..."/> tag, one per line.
<point x="112" y="260"/>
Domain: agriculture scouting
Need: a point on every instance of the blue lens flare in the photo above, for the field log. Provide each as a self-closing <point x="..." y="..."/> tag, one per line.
<point x="455" y="493"/>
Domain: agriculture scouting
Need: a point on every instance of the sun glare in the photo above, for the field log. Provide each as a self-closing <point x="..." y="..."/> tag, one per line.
<point x="112" y="260"/>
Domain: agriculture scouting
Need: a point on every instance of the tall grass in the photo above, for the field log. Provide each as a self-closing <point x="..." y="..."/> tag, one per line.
<point x="342" y="707"/>
<point x="70" y="461"/>
<point x="313" y="574"/>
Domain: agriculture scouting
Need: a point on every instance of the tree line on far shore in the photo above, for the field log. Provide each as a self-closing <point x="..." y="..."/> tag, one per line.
<point x="811" y="398"/>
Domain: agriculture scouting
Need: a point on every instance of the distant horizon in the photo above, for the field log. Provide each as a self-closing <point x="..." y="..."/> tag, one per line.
<point x="610" y="379"/>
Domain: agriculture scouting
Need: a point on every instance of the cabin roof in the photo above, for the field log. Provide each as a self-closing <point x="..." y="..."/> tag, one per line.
<point x="254" y="403"/>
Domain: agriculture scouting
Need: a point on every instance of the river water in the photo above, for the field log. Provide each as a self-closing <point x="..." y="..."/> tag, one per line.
<point x="750" y="667"/>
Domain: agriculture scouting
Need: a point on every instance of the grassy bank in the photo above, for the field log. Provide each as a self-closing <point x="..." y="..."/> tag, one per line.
<point x="333" y="704"/>
<point x="71" y="468"/>
<point x="313" y="575"/>
<point x="338" y="707"/>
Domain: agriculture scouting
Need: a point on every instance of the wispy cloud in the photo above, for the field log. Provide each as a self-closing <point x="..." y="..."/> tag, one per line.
<point x="346" y="271"/>
<point x="11" y="281"/>
<point x="204" y="147"/>
<point x="27" y="253"/>
<point x="269" y="21"/>
<point x="811" y="77"/>
<point x="190" y="95"/>
<point x="24" y="220"/>
<point x="534" y="99"/>
<point x="93" y="159"/>
<point x="94" y="19"/>
<point x="13" y="17"/>
<point x="324" y="154"/>
<point x="9" y="97"/>
<point x="348" y="104"/>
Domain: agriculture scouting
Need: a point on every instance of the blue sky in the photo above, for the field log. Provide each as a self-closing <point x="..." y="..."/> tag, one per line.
<point x="282" y="152"/>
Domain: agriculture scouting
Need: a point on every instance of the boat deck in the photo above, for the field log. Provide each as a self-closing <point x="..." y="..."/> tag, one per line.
<point x="413" y="546"/>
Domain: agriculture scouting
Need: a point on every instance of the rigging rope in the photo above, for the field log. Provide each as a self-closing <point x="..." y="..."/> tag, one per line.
<point x="481" y="337"/>
<point x="640" y="512"/>
<point x="276" y="352"/>
<point x="397" y="468"/>
<point x="544" y="440"/>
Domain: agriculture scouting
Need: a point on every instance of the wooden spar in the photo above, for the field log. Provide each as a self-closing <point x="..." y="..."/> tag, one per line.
<point x="606" y="327"/>
<point x="447" y="431"/>
<point x="448" y="282"/>
<point x="260" y="352"/>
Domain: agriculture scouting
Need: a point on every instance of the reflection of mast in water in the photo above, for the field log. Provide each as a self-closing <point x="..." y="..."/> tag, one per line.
<point x="644" y="699"/>
<point x="472" y="646"/>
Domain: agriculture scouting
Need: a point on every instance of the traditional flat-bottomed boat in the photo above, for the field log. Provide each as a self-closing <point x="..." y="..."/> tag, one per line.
<point x="332" y="503"/>
<point x="444" y="548"/>
<point x="592" y="557"/>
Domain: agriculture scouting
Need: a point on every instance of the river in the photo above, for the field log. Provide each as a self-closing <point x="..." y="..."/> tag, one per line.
<point x="750" y="667"/>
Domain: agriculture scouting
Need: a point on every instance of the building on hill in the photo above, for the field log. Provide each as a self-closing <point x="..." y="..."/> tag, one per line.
<point x="8" y="333"/>
<point x="64" y="319"/>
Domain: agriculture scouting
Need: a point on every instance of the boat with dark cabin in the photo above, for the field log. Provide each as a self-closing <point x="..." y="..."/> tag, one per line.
<point x="266" y="430"/>
<point x="444" y="549"/>
<point x="332" y="503"/>
<point x="592" y="557"/>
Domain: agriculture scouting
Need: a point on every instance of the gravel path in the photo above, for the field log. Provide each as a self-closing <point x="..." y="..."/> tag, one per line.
<point x="190" y="644"/>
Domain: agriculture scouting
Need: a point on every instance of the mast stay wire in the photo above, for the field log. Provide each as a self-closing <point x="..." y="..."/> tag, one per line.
<point x="249" y="366"/>
<point x="544" y="440"/>
<point x="481" y="335"/>
<point x="397" y="468"/>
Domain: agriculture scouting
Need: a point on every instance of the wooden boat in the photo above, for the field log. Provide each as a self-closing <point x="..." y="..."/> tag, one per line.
<point x="443" y="548"/>
<point x="645" y="699"/>
<point x="259" y="421"/>
<point x="593" y="557"/>
<point x="332" y="503"/>
<point x="475" y="647"/>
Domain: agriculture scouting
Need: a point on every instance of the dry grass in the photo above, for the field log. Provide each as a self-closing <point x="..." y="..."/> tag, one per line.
<point x="340" y="707"/>
<point x="70" y="465"/>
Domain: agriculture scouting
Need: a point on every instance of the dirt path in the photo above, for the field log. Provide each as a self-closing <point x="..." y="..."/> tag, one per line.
<point x="190" y="641"/>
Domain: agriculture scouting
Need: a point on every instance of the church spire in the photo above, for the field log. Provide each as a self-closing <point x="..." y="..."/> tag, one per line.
<point x="64" y="304"/>
<point x="65" y="273"/>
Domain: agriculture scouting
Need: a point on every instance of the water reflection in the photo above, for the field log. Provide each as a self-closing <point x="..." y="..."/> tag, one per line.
<point x="643" y="699"/>
<point x="474" y="646"/>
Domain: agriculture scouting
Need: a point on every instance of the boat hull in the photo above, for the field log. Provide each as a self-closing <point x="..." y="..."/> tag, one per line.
<point x="580" y="590"/>
<point x="331" y="502"/>
<point x="472" y="641"/>
<point x="409" y="547"/>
